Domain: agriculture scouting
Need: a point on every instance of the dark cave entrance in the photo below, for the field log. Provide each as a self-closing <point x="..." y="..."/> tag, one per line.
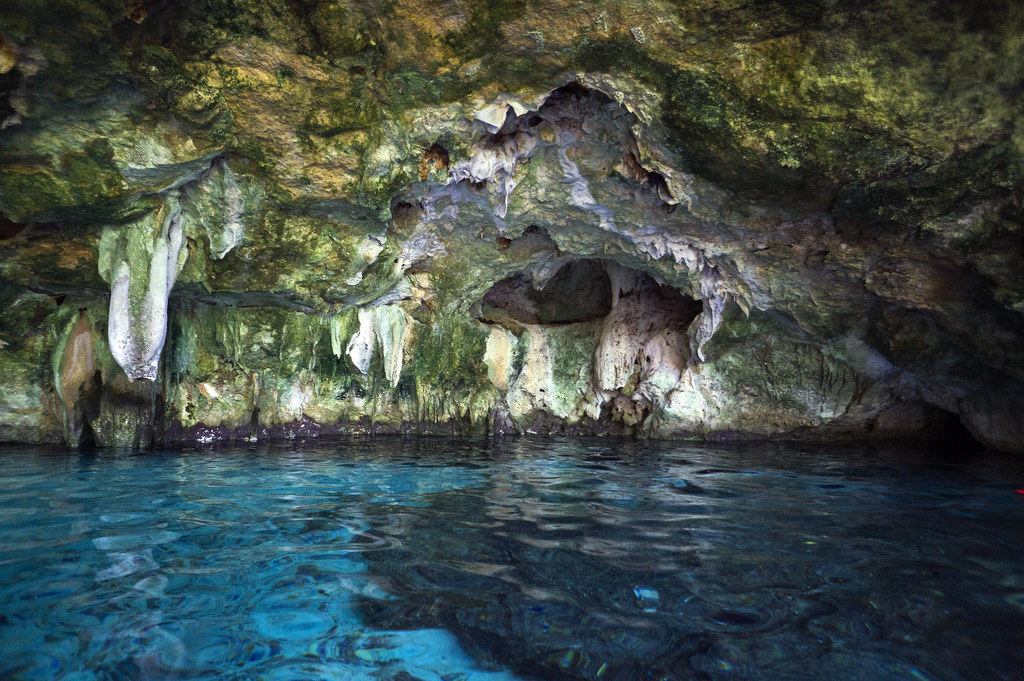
<point x="9" y="229"/>
<point x="582" y="291"/>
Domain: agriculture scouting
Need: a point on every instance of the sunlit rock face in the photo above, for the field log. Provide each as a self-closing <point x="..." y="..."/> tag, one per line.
<point x="248" y="220"/>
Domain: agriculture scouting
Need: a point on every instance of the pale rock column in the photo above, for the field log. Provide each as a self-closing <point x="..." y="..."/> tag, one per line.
<point x="385" y="326"/>
<point x="141" y="261"/>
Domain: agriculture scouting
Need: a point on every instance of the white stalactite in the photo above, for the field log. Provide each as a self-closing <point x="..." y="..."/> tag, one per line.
<point x="386" y="326"/>
<point x="141" y="262"/>
<point x="501" y="345"/>
<point x="714" y="299"/>
<point x="390" y="326"/>
<point x="360" y="347"/>
<point x="497" y="162"/>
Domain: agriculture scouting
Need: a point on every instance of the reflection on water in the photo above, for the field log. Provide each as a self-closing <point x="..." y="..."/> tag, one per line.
<point x="456" y="560"/>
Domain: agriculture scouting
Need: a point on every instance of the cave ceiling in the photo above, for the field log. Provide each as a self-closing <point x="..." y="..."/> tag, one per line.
<point x="250" y="218"/>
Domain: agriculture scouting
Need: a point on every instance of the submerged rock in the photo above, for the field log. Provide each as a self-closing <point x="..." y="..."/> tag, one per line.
<point x="711" y="221"/>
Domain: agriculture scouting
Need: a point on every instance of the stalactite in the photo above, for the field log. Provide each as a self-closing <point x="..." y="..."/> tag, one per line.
<point x="384" y="326"/>
<point x="140" y="261"/>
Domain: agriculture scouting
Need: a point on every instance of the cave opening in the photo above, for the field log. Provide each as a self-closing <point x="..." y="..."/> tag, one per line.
<point x="90" y="395"/>
<point x="10" y="82"/>
<point x="9" y="229"/>
<point x="586" y="290"/>
<point x="405" y="215"/>
<point x="580" y="291"/>
<point x="947" y="427"/>
<point x="665" y="302"/>
<point x="435" y="158"/>
<point x="575" y="91"/>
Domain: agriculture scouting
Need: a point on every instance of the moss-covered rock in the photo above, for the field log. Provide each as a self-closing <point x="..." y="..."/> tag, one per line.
<point x="808" y="216"/>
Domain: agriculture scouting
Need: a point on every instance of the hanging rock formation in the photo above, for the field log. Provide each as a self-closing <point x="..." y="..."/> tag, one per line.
<point x="140" y="261"/>
<point x="716" y="221"/>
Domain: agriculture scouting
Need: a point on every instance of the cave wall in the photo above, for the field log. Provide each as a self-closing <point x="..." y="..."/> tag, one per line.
<point x="241" y="219"/>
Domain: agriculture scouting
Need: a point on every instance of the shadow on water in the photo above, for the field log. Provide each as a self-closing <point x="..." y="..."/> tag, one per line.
<point x="758" y="561"/>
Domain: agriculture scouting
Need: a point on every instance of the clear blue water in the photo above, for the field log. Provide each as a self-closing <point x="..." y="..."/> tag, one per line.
<point x="448" y="560"/>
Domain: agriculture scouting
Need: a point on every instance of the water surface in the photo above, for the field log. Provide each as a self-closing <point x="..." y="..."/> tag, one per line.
<point x="455" y="560"/>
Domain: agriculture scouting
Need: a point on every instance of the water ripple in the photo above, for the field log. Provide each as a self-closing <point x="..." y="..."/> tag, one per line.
<point x="442" y="560"/>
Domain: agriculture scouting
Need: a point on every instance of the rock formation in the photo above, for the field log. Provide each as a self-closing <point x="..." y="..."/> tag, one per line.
<point x="247" y="219"/>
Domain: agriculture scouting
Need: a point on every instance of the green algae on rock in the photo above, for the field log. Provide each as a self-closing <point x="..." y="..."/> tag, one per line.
<point x="238" y="219"/>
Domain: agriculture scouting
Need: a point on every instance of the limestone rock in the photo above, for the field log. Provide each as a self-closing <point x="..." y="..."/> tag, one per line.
<point x="705" y="221"/>
<point x="140" y="261"/>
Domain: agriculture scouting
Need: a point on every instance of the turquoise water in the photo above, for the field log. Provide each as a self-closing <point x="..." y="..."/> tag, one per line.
<point x="449" y="560"/>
